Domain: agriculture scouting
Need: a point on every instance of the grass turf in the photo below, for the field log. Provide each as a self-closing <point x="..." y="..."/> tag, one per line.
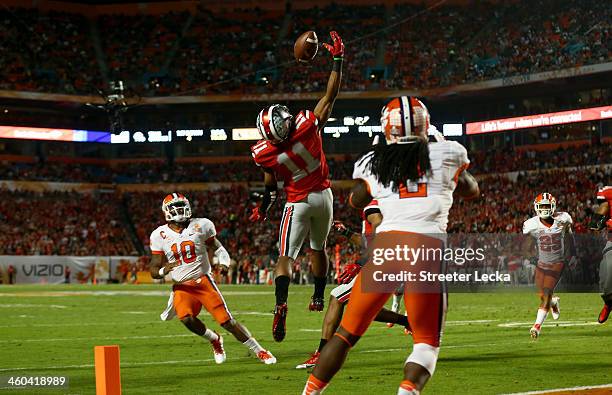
<point x="51" y="330"/>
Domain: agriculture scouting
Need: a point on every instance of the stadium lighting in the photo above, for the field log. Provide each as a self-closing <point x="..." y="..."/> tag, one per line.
<point x="452" y="129"/>
<point x="245" y="134"/>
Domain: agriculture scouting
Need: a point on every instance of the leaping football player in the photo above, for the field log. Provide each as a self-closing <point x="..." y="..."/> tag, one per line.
<point x="340" y="295"/>
<point x="184" y="248"/>
<point x="552" y="232"/>
<point x="413" y="182"/>
<point x="291" y="151"/>
<point x="600" y="221"/>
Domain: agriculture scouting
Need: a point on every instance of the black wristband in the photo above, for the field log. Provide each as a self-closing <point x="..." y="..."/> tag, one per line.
<point x="337" y="64"/>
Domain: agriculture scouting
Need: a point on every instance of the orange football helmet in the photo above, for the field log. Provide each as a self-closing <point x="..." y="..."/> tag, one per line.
<point x="403" y="119"/>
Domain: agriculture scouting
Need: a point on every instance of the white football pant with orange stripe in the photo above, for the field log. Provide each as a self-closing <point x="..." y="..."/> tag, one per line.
<point x="312" y="215"/>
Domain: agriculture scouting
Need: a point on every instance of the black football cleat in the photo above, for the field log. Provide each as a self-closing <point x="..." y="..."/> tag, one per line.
<point x="316" y="304"/>
<point x="279" y="325"/>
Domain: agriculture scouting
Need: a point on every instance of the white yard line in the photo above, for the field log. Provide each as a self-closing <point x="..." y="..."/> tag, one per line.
<point x="117" y="293"/>
<point x="191" y="361"/>
<point x="448" y="323"/>
<point x="71" y="339"/>
<point x="589" y="387"/>
<point x="27" y="305"/>
<point x="71" y="324"/>
<point x="551" y="323"/>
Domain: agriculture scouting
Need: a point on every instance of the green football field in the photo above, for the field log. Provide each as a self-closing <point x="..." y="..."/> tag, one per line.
<point x="52" y="330"/>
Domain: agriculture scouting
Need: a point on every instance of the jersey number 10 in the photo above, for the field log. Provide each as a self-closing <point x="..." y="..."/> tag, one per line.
<point x="187" y="253"/>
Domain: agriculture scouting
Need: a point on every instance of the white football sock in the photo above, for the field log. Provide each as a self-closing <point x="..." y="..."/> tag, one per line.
<point x="211" y="336"/>
<point x="252" y="344"/>
<point x="403" y="391"/>
<point x="541" y="316"/>
<point x="395" y="305"/>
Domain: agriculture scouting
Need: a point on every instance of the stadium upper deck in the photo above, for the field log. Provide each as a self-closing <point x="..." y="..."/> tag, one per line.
<point x="207" y="50"/>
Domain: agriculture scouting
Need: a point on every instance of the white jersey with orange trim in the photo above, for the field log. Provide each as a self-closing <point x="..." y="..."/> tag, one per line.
<point x="550" y="239"/>
<point x="419" y="207"/>
<point x="366" y="226"/>
<point x="187" y="247"/>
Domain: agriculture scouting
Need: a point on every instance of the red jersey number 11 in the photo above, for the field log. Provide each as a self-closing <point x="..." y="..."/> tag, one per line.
<point x="299" y="172"/>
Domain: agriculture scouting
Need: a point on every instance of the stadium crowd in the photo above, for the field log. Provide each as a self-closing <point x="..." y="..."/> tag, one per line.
<point x="62" y="223"/>
<point x="341" y="168"/>
<point x="46" y="52"/>
<point x="249" y="50"/>
<point x="70" y="223"/>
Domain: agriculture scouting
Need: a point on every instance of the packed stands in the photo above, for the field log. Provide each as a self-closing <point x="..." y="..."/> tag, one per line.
<point x="137" y="47"/>
<point x="508" y="203"/>
<point x="519" y="41"/>
<point x="62" y="223"/>
<point x="47" y="52"/>
<point x="226" y="47"/>
<point x="83" y="224"/>
<point x="351" y="22"/>
<point x="249" y="51"/>
<point x="422" y="51"/>
<point x="341" y="168"/>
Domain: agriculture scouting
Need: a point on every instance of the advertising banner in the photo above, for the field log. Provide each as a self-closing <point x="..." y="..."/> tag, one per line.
<point x="539" y="120"/>
<point x="43" y="269"/>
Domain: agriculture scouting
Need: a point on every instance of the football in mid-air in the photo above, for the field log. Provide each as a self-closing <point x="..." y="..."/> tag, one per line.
<point x="306" y="47"/>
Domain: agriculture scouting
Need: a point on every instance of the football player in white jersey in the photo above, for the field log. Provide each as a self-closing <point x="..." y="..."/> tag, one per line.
<point x="413" y="182"/>
<point x="551" y="231"/>
<point x="341" y="294"/>
<point x="184" y="248"/>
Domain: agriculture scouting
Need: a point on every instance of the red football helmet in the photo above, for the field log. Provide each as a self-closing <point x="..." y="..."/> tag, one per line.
<point x="274" y="123"/>
<point x="403" y="119"/>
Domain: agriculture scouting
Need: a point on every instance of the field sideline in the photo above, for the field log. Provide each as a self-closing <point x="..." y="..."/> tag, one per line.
<point x="486" y="347"/>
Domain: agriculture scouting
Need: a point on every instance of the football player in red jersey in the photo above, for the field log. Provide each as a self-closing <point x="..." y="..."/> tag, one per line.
<point x="599" y="221"/>
<point x="291" y="151"/>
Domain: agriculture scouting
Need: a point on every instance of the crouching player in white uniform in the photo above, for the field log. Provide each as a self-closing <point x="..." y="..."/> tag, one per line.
<point x="184" y="248"/>
<point x="413" y="182"/>
<point x="340" y="295"/>
<point x="552" y="232"/>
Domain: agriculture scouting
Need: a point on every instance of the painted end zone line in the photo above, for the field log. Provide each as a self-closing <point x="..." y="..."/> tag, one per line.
<point x="563" y="390"/>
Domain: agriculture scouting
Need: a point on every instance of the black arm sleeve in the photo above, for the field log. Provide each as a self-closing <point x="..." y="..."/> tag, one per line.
<point x="269" y="198"/>
<point x="598" y="222"/>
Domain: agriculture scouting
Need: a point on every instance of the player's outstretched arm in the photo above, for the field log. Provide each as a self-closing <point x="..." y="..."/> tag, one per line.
<point x="324" y="107"/>
<point x="467" y="186"/>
